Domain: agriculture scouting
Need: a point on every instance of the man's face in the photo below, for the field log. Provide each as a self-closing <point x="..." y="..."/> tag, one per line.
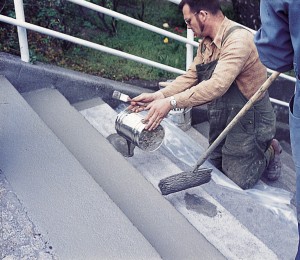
<point x="193" y="21"/>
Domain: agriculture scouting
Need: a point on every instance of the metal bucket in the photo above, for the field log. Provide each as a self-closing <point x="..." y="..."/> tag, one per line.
<point x="130" y="125"/>
<point x="181" y="117"/>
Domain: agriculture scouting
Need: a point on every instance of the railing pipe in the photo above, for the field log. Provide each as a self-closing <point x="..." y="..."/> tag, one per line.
<point x="88" y="44"/>
<point x="189" y="49"/>
<point x="282" y="75"/>
<point x="22" y="34"/>
<point x="175" y="1"/>
<point x="279" y="102"/>
<point x="134" y="21"/>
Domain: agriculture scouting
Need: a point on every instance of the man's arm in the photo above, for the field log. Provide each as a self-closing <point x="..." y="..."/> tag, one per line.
<point x="185" y="81"/>
<point x="273" y="40"/>
<point x="233" y="57"/>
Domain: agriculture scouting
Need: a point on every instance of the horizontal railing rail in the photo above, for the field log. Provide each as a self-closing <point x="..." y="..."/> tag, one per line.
<point x="89" y="44"/>
<point x="133" y="21"/>
<point x="190" y="43"/>
<point x="189" y="40"/>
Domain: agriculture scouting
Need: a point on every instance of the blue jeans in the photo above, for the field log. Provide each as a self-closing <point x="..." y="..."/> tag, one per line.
<point x="294" y="118"/>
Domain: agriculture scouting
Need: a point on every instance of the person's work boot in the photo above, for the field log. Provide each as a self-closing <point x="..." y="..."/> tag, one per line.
<point x="273" y="171"/>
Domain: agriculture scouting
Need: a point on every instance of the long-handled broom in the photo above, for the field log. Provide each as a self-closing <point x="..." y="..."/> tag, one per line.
<point x="196" y="177"/>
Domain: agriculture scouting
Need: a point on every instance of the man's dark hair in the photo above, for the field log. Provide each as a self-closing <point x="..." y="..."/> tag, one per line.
<point x="212" y="6"/>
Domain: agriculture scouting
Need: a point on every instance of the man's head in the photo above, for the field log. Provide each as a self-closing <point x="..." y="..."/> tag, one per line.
<point x="197" y="14"/>
<point x="212" y="6"/>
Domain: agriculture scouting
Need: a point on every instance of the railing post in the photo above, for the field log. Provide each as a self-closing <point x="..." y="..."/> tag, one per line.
<point x="189" y="49"/>
<point x="22" y="34"/>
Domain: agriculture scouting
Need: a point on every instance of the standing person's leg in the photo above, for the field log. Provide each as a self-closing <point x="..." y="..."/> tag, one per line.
<point x="295" y="140"/>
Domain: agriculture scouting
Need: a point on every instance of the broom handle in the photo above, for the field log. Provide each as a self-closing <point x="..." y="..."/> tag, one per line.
<point x="238" y="116"/>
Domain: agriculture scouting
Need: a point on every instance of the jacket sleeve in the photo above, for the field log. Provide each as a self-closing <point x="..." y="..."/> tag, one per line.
<point x="273" y="39"/>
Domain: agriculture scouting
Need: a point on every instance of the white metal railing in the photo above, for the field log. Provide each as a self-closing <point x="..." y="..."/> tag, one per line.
<point x="189" y="40"/>
<point x="190" y="43"/>
<point x="88" y="44"/>
<point x="22" y="35"/>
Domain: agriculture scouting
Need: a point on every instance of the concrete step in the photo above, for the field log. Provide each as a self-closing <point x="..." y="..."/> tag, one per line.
<point x="241" y="224"/>
<point x="234" y="208"/>
<point x="275" y="227"/>
<point x="171" y="235"/>
<point x="255" y="208"/>
<point x="68" y="207"/>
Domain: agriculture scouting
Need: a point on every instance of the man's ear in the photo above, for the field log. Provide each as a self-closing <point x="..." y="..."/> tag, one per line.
<point x="203" y="15"/>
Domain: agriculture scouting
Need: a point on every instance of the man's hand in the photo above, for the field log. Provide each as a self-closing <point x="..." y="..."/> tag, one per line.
<point x="158" y="110"/>
<point x="156" y="103"/>
<point x="144" y="99"/>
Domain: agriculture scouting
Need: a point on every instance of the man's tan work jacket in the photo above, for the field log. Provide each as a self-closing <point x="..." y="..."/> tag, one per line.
<point x="238" y="61"/>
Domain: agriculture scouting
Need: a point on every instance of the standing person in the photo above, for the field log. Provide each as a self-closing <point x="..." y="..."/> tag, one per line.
<point x="225" y="73"/>
<point x="278" y="44"/>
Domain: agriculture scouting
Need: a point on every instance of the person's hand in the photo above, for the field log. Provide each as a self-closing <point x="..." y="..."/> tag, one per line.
<point x="142" y="101"/>
<point x="158" y="109"/>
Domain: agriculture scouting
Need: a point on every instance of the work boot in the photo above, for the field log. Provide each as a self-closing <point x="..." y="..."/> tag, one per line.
<point x="273" y="171"/>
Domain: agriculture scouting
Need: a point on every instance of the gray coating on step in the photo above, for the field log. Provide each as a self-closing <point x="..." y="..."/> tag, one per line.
<point x="77" y="86"/>
<point x="245" y="237"/>
<point x="166" y="229"/>
<point x="69" y="208"/>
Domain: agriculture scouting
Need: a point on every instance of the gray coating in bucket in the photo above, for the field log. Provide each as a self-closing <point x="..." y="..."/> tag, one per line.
<point x="151" y="140"/>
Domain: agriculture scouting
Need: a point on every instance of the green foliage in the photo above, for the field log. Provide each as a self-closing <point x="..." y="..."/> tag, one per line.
<point x="78" y="21"/>
<point x="229" y="11"/>
<point x="8" y="32"/>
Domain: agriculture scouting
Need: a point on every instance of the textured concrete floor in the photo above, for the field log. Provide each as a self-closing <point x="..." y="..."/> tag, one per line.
<point x="19" y="238"/>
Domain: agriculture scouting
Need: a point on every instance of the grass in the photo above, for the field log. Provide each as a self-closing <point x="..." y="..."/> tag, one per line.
<point x="129" y="38"/>
<point x="140" y="43"/>
<point x="136" y="41"/>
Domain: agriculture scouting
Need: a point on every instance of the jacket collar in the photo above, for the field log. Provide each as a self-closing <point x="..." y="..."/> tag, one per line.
<point x="225" y="25"/>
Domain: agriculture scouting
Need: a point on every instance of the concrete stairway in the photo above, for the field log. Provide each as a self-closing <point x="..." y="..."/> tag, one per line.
<point x="84" y="197"/>
<point x="92" y="203"/>
<point x="241" y="224"/>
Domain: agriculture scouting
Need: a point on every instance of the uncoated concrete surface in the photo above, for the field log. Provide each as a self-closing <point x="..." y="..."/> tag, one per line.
<point x="19" y="237"/>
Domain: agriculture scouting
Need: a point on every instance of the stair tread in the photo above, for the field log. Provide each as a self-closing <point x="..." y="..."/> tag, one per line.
<point x="229" y="202"/>
<point x="168" y="231"/>
<point x="60" y="196"/>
